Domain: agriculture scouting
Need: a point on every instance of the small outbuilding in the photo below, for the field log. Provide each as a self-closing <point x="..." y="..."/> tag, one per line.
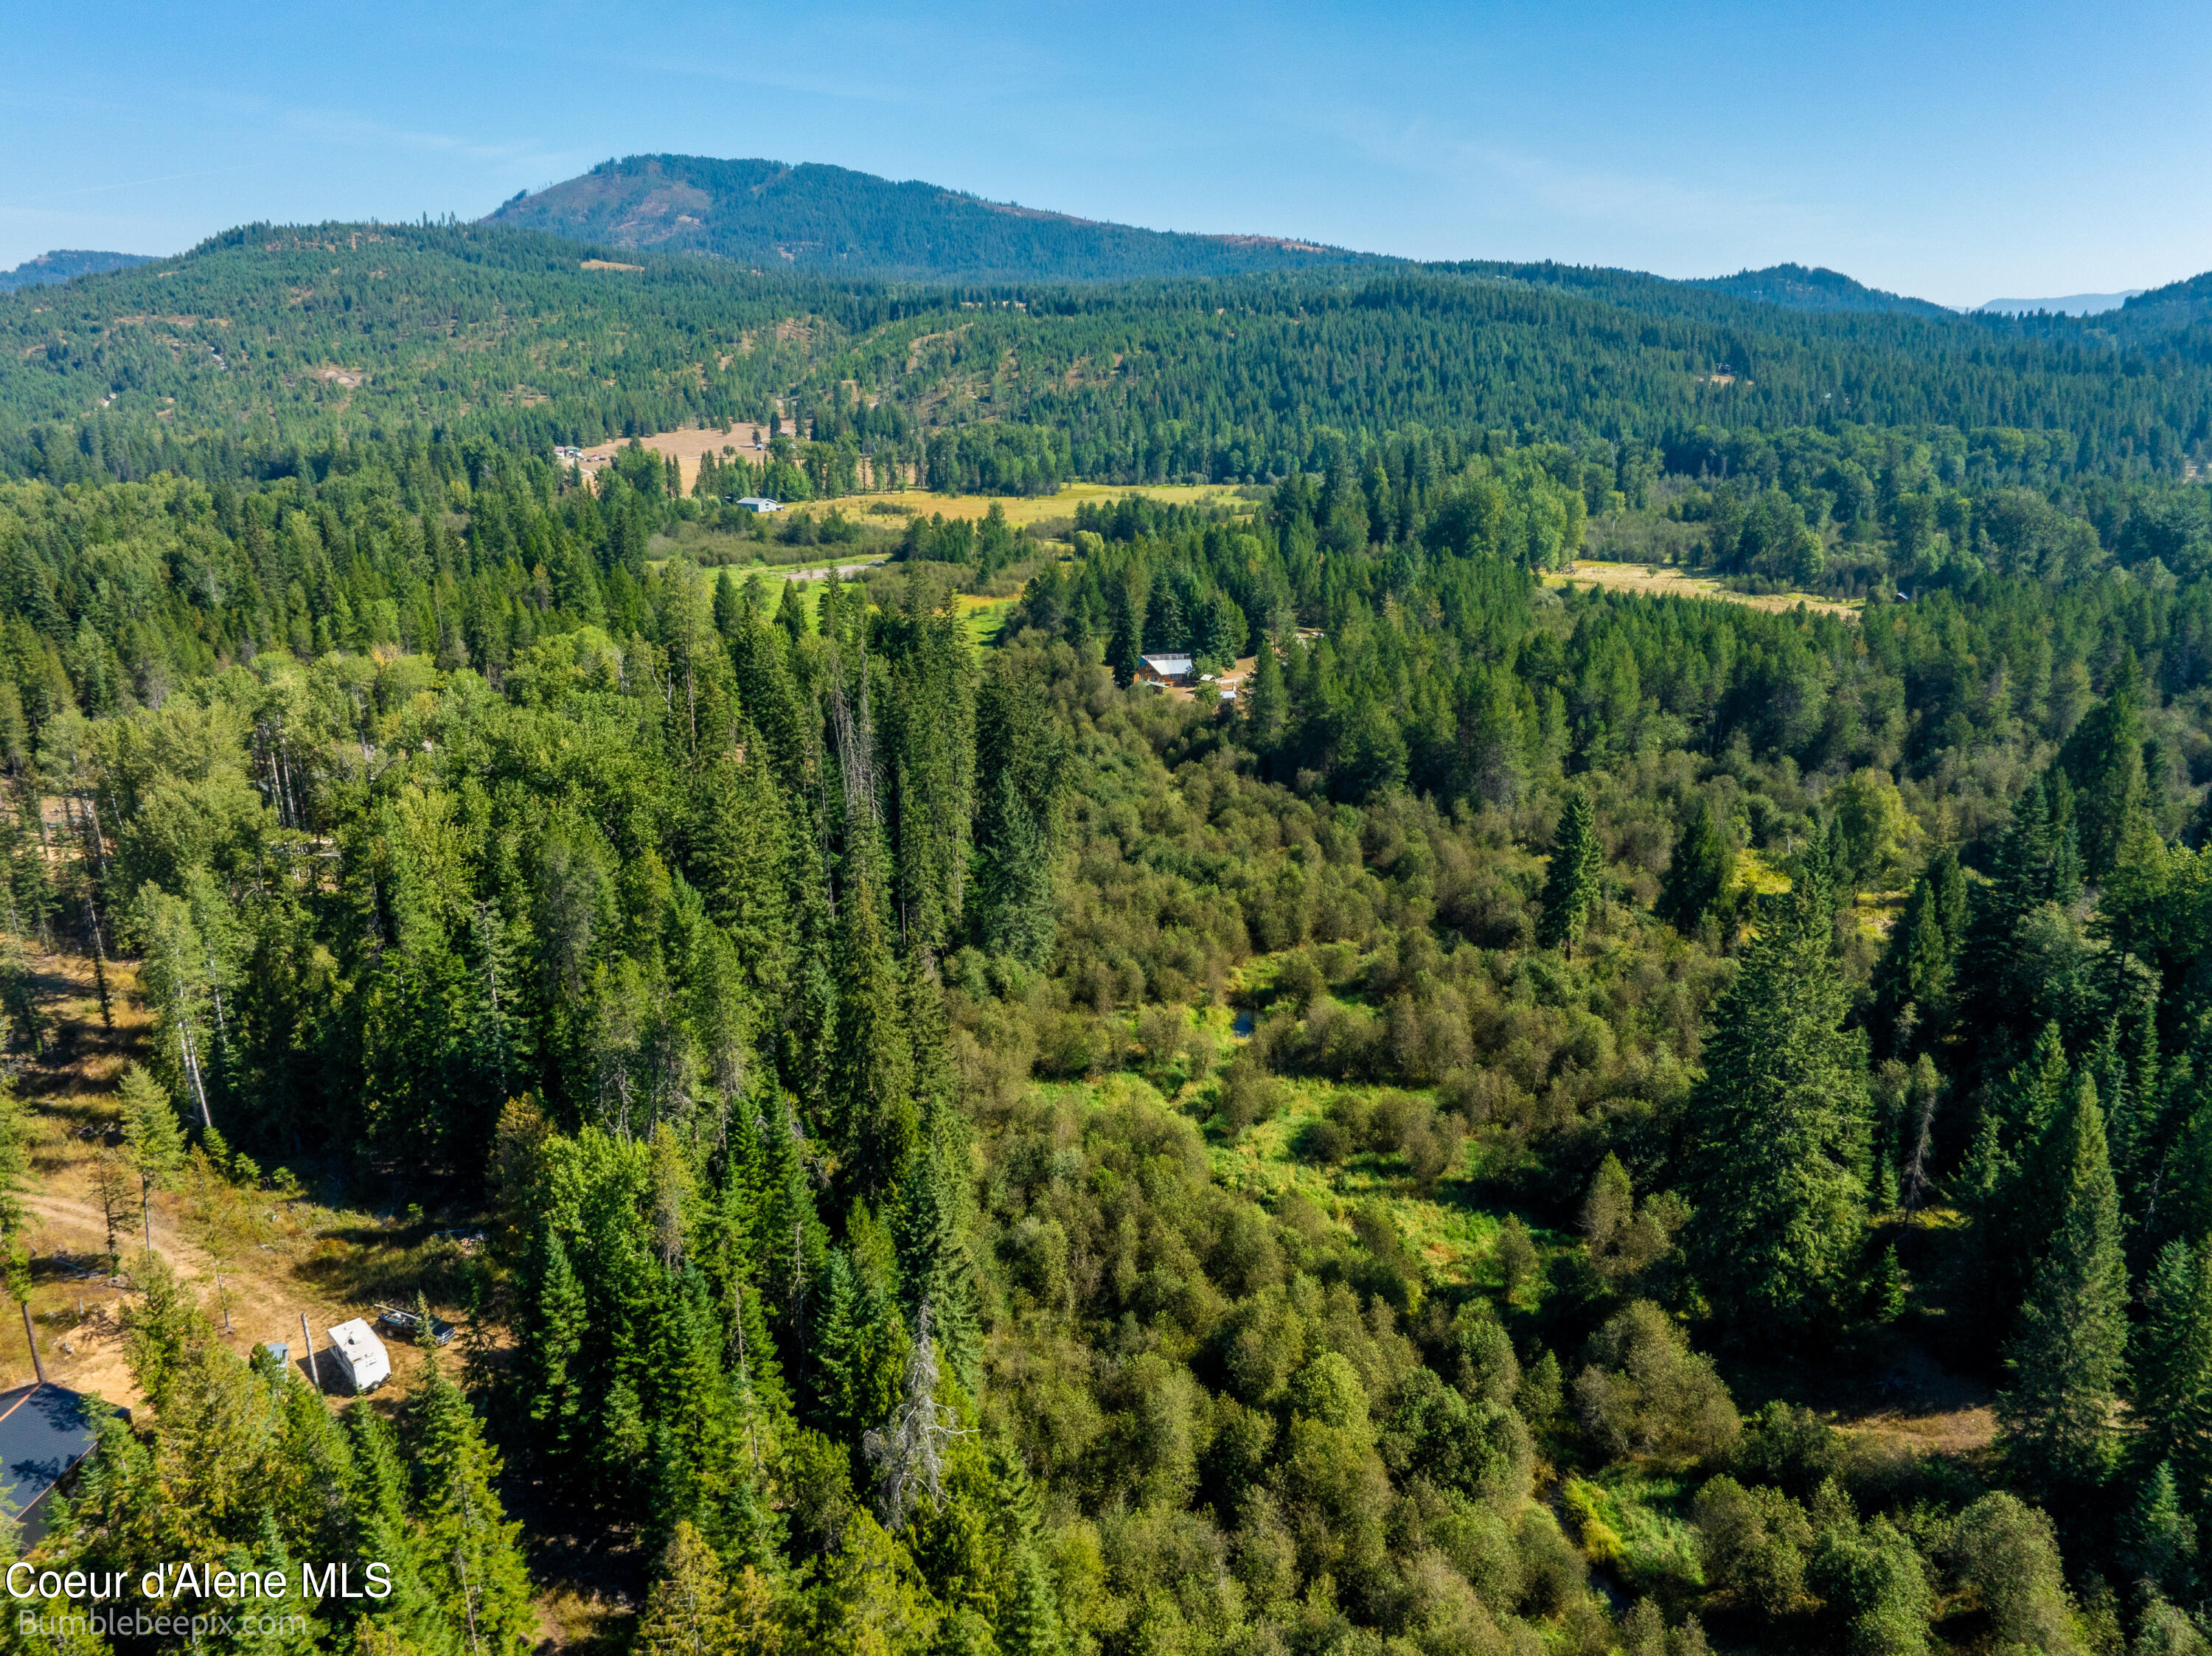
<point x="361" y="1356"/>
<point x="1164" y="669"/>
<point x="760" y="504"/>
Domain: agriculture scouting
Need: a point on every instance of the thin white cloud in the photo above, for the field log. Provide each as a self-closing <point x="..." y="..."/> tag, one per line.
<point x="125" y="184"/>
<point x="346" y="127"/>
<point x="350" y="129"/>
<point x="1651" y="203"/>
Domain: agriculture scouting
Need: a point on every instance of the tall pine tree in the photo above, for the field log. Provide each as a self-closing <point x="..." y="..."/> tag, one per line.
<point x="1912" y="984"/>
<point x="386" y="1530"/>
<point x="1572" y="886"/>
<point x="689" y="1612"/>
<point x="2173" y="1362"/>
<point x="1267" y="705"/>
<point x="2104" y="759"/>
<point x="934" y="1267"/>
<point x="1700" y="873"/>
<point x="1779" y="1128"/>
<point x="470" y="1558"/>
<point x="1020" y="758"/>
<point x="931" y="738"/>
<point x="874" y="1120"/>
<point x="2059" y="1415"/>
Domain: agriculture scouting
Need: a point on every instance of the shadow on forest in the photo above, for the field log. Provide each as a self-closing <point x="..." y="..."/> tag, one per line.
<point x="592" y="1579"/>
<point x="1902" y="1388"/>
<point x="371" y="1262"/>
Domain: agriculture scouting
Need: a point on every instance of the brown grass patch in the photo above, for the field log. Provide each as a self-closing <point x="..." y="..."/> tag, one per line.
<point x="1021" y="509"/>
<point x="684" y="447"/>
<point x="1661" y="580"/>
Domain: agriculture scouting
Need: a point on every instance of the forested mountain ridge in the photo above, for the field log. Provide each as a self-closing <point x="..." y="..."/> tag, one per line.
<point x="266" y="345"/>
<point x="1793" y="287"/>
<point x="63" y="264"/>
<point x="272" y="337"/>
<point x="829" y="219"/>
<point x="2177" y="303"/>
<point x="814" y="218"/>
<point x="2068" y="304"/>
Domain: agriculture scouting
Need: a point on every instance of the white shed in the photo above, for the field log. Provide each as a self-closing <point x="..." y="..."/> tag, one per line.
<point x="361" y="1356"/>
<point x="759" y="503"/>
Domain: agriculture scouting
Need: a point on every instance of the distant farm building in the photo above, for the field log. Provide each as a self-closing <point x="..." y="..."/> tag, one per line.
<point x="361" y="1356"/>
<point x="759" y="503"/>
<point x="45" y="1433"/>
<point x="1164" y="669"/>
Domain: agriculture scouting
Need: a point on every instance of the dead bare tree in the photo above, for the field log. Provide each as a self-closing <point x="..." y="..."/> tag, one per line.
<point x="910" y="1457"/>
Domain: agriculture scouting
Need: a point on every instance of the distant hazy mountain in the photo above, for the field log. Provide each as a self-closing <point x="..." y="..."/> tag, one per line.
<point x="62" y="263"/>
<point x="1795" y="287"/>
<point x="829" y="220"/>
<point x="2065" y="305"/>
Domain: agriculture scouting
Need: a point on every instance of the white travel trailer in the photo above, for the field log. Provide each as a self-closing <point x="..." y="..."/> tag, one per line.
<point x="361" y="1356"/>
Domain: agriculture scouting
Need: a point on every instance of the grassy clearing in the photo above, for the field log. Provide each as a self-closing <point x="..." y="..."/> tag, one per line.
<point x="1755" y="873"/>
<point x="1455" y="1239"/>
<point x="584" y="1619"/>
<point x="983" y="615"/>
<point x="1876" y="911"/>
<point x="1659" y="581"/>
<point x="1636" y="1524"/>
<point x="713" y="554"/>
<point x="1023" y="509"/>
<point x="980" y="613"/>
<point x="812" y="569"/>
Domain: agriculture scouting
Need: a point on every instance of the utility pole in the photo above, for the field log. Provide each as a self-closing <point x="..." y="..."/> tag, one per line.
<point x="315" y="1369"/>
<point x="30" y="1333"/>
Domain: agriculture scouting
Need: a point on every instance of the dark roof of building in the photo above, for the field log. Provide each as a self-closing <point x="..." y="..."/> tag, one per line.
<point x="45" y="1431"/>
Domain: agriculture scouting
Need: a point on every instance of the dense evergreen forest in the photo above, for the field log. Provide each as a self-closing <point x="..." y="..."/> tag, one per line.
<point x="1488" y="1140"/>
<point x="273" y="351"/>
<point x="62" y="264"/>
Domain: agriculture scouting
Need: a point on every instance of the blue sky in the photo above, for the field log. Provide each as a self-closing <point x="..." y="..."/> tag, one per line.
<point x="1958" y="152"/>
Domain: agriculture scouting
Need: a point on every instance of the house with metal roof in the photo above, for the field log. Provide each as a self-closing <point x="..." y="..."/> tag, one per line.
<point x="1164" y="669"/>
<point x="45" y="1433"/>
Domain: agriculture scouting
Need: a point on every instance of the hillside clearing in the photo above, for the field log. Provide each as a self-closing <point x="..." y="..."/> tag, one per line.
<point x="276" y="1257"/>
<point x="1663" y="581"/>
<point x="743" y="439"/>
<point x="1025" y="509"/>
